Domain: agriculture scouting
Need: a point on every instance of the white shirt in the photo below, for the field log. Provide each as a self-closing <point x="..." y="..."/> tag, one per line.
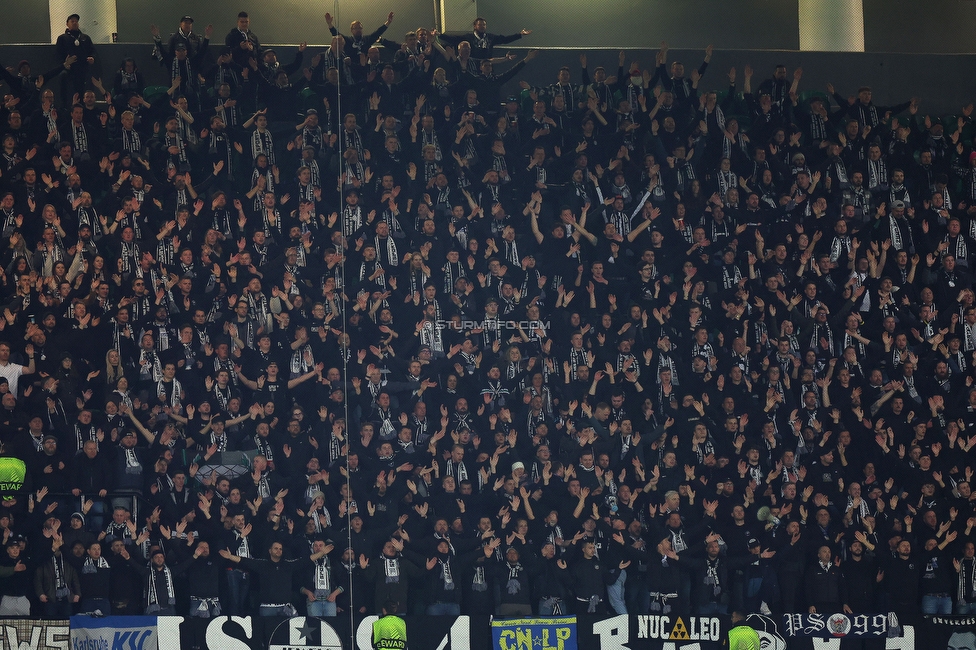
<point x="12" y="372"/>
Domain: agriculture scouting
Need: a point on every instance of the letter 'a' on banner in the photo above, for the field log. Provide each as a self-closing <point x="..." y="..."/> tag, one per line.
<point x="129" y="632"/>
<point x="557" y="633"/>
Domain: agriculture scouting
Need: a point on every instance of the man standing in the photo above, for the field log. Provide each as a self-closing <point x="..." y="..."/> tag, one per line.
<point x="96" y="582"/>
<point x="513" y="585"/>
<point x="824" y="583"/>
<point x="275" y="575"/>
<point x="902" y="581"/>
<point x="203" y="577"/>
<point x="324" y="585"/>
<point x="390" y="575"/>
<point x="56" y="581"/>
<point x="242" y="42"/>
<point x="12" y="371"/>
<point x="17" y="585"/>
<point x="590" y="579"/>
<point x="159" y="590"/>
<point x="74" y="43"/>
<point x="860" y="576"/>
<point x="483" y="43"/>
<point x="356" y="43"/>
<point x="186" y="36"/>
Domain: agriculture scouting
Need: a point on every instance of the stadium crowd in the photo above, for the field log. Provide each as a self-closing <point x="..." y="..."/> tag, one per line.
<point x="285" y="337"/>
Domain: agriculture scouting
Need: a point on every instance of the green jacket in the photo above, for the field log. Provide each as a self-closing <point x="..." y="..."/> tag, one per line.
<point x="390" y="633"/>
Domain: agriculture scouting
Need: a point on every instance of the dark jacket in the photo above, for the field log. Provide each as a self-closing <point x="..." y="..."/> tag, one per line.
<point x="591" y="577"/>
<point x="96" y="581"/>
<point x="859" y="584"/>
<point x="385" y="588"/>
<point x="202" y="574"/>
<point x="45" y="582"/>
<point x="513" y="586"/>
<point x="275" y="578"/>
<point x="823" y="586"/>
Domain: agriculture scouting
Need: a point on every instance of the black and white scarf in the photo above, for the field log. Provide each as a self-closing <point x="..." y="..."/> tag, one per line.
<point x="84" y="435"/>
<point x="841" y="245"/>
<point x="430" y="138"/>
<point x="153" y="369"/>
<point x="79" y="136"/>
<point x="900" y="231"/>
<point x="391" y="569"/>
<point x="314" y="515"/>
<point x="353" y="140"/>
<point x="61" y="591"/>
<point x="186" y="131"/>
<point x="243" y="546"/>
<point x="176" y="140"/>
<point x="711" y="576"/>
<point x="170" y="389"/>
<point x="726" y="181"/>
<point x="966" y="590"/>
<point x="323" y="578"/>
<point x="92" y="565"/>
<point x="387" y="249"/>
<point x="89" y="217"/>
<point x="960" y="250"/>
<point x="220" y="146"/>
<point x="446" y="575"/>
<point x="262" y="142"/>
<point x="312" y="137"/>
<point x="898" y="192"/>
<point x="860" y="512"/>
<point x="152" y="589"/>
<point x="131" y="141"/>
<point x="458" y="470"/>
<point x="352" y="219"/>
<point x="478" y="582"/>
<point x="183" y="70"/>
<point x="877" y="174"/>
<point x="514" y="586"/>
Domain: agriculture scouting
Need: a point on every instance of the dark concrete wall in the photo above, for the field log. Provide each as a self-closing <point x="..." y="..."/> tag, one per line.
<point x="740" y="24"/>
<point x="943" y="26"/>
<point x="30" y="23"/>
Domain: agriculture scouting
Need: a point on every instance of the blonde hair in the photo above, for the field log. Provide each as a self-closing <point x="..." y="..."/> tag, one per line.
<point x="113" y="373"/>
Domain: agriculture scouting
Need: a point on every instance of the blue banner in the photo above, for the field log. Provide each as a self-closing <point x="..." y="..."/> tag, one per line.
<point x="534" y="634"/>
<point x="114" y="633"/>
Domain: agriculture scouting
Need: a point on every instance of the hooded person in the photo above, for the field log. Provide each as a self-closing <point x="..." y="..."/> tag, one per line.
<point x="444" y="570"/>
<point x="391" y="575"/>
<point x="350" y="576"/>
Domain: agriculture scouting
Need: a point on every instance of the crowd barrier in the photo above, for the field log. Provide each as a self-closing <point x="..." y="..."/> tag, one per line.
<point x="583" y="632"/>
